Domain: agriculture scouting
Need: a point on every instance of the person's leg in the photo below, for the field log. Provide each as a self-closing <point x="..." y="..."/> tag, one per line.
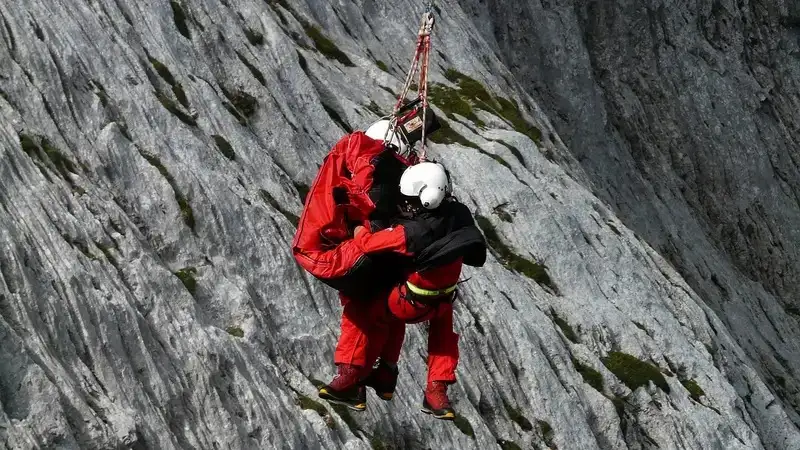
<point x="442" y="363"/>
<point x="442" y="346"/>
<point x="353" y="352"/>
<point x="395" y="335"/>
<point x="356" y="323"/>
<point x="383" y="379"/>
<point x="383" y="327"/>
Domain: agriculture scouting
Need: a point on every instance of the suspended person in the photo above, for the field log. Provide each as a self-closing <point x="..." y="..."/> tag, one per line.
<point x="426" y="295"/>
<point x="357" y="185"/>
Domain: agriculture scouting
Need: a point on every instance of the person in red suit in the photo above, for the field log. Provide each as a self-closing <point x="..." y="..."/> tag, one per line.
<point x="345" y="194"/>
<point x="376" y="329"/>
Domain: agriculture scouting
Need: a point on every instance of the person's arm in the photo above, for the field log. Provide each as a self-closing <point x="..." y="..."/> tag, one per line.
<point x="386" y="240"/>
<point x="408" y="237"/>
<point x="360" y="155"/>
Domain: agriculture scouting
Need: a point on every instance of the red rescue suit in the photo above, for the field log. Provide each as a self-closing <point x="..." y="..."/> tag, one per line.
<point x="378" y="329"/>
<point x="370" y="330"/>
<point x="339" y="199"/>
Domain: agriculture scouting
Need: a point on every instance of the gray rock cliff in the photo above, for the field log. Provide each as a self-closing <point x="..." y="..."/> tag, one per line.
<point x="633" y="165"/>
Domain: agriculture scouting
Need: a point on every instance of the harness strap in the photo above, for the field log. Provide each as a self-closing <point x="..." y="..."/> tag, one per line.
<point x="418" y="63"/>
<point x="416" y="290"/>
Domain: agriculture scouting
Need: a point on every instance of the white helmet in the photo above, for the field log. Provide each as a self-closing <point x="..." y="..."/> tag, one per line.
<point x="426" y="180"/>
<point x="380" y="131"/>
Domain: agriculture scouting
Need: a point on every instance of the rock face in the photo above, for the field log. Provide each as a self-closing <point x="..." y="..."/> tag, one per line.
<point x="632" y="164"/>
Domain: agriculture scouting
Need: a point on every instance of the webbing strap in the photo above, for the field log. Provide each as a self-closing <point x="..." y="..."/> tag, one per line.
<point x="419" y="62"/>
<point x="429" y="293"/>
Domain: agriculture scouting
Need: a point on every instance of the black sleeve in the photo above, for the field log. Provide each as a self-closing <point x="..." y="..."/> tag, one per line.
<point x="423" y="230"/>
<point x="385" y="190"/>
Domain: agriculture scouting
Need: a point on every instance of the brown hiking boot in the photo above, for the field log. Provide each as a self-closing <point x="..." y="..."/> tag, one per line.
<point x="436" y="402"/>
<point x="383" y="379"/>
<point x="346" y="388"/>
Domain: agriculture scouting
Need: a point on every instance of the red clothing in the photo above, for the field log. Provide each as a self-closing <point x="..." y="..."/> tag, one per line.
<point x="322" y="244"/>
<point x="374" y="329"/>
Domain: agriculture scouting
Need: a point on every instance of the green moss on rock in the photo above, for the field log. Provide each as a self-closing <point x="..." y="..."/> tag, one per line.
<point x="306" y="402"/>
<point x="547" y="433"/>
<point x="447" y="135"/>
<point x="566" y="328"/>
<point x="28" y="144"/>
<point x="695" y="391"/>
<point x="224" y="147"/>
<point x="473" y="90"/>
<point x="511" y="260"/>
<point x="170" y="106"/>
<point x="382" y="65"/>
<point x="244" y="103"/>
<point x="619" y="405"/>
<point x="471" y="93"/>
<point x="235" y="331"/>
<point x="516" y="416"/>
<point x="325" y="45"/>
<point x="634" y="372"/>
<point x="63" y="164"/>
<point x="46" y="155"/>
<point x="180" y="94"/>
<point x="162" y="70"/>
<point x="183" y="203"/>
<point x="179" y="16"/>
<point x="379" y="443"/>
<point x="509" y="110"/>
<point x="450" y="101"/>
<point x="590" y="376"/>
<point x="187" y="277"/>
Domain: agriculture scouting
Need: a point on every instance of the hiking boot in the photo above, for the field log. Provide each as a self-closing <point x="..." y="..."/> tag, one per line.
<point x="383" y="379"/>
<point x="436" y="402"/>
<point x="346" y="388"/>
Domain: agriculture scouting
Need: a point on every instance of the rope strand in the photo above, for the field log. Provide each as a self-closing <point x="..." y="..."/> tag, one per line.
<point x="419" y="62"/>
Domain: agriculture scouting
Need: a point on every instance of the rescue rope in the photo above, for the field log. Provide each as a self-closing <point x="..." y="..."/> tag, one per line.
<point x="419" y="63"/>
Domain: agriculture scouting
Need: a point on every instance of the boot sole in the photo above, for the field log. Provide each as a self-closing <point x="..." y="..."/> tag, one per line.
<point x="445" y="416"/>
<point x="385" y="396"/>
<point x="325" y="395"/>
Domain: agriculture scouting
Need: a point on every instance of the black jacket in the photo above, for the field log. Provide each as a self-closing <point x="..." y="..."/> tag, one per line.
<point x="440" y="236"/>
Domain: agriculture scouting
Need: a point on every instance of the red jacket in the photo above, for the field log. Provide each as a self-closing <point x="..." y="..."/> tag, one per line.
<point x="338" y="200"/>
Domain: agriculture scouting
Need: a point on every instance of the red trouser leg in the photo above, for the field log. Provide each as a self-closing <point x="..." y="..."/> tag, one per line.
<point x="362" y="332"/>
<point x="442" y="346"/>
<point x="395" y="334"/>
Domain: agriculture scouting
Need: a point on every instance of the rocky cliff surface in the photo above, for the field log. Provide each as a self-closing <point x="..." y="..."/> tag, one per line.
<point x="632" y="164"/>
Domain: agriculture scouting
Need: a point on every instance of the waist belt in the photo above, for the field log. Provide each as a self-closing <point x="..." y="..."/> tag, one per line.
<point x="428" y="296"/>
<point x="427" y="292"/>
